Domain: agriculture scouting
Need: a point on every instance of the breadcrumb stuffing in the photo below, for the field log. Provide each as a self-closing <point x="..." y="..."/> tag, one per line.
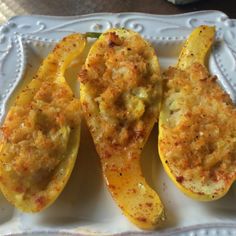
<point x="35" y="136"/>
<point x="198" y="137"/>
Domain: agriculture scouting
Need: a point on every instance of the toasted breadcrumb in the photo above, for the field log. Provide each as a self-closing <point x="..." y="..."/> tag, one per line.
<point x="198" y="130"/>
<point x="35" y="135"/>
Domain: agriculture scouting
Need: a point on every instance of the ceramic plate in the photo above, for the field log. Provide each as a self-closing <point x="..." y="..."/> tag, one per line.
<point x="85" y="206"/>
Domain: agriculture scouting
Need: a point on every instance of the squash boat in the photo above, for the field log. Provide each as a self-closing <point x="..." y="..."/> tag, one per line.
<point x="120" y="95"/>
<point x="197" y="124"/>
<point x="40" y="135"/>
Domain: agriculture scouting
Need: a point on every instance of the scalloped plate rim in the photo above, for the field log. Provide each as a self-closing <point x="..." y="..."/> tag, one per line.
<point x="164" y="232"/>
<point x="113" y="14"/>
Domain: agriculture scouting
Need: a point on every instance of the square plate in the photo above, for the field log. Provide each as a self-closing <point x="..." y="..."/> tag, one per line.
<point x="85" y="206"/>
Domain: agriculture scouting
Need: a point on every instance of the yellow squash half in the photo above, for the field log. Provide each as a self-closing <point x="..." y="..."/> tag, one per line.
<point x="120" y="97"/>
<point x="197" y="125"/>
<point x="40" y="135"/>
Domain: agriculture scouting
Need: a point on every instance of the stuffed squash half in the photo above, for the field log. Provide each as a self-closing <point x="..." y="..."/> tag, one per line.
<point x="40" y="135"/>
<point x="120" y="97"/>
<point x="197" y="125"/>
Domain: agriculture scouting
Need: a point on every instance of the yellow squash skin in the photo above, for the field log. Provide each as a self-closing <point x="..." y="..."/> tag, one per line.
<point x="196" y="47"/>
<point x="197" y="124"/>
<point x="40" y="135"/>
<point x="120" y="97"/>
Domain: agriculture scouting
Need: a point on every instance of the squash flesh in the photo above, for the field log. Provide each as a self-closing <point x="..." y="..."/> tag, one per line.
<point x="197" y="131"/>
<point x="120" y="89"/>
<point x="40" y="135"/>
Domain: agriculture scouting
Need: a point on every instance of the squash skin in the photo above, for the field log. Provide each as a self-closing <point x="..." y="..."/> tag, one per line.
<point x="191" y="64"/>
<point x="197" y="47"/>
<point x="18" y="183"/>
<point x="120" y="160"/>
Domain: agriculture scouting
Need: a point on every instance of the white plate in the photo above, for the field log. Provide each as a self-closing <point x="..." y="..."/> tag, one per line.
<point x="85" y="206"/>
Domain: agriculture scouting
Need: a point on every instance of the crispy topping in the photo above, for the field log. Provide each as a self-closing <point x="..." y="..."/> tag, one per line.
<point x="199" y="129"/>
<point x="122" y="76"/>
<point x="36" y="135"/>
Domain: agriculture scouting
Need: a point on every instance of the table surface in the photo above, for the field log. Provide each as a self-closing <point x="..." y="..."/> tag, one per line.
<point x="9" y="8"/>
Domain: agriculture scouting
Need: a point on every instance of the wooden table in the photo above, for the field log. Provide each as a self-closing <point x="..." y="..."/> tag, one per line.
<point x="9" y="8"/>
